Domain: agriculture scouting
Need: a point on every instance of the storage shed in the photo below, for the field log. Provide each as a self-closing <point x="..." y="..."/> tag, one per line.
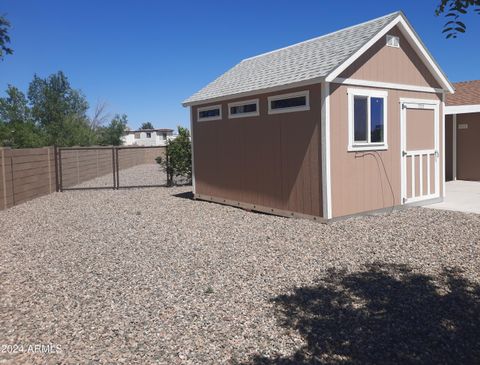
<point x="346" y="123"/>
<point x="462" y="134"/>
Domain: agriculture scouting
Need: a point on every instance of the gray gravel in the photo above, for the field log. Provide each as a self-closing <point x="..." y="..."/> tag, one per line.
<point x="146" y="174"/>
<point x="145" y="276"/>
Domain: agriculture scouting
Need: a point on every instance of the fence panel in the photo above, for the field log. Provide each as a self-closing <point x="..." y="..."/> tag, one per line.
<point x="26" y="174"/>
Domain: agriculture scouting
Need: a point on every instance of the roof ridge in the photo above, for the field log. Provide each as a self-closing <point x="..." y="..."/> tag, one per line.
<point x="466" y="82"/>
<point x="398" y="12"/>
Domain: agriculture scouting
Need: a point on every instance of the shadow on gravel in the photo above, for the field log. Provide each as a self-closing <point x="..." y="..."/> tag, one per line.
<point x="386" y="314"/>
<point x="186" y="195"/>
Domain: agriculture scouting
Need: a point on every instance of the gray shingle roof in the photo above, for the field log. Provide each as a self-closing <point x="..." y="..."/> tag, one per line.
<point x="307" y="60"/>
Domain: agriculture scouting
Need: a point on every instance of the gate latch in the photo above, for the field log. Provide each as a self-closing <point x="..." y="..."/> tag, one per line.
<point x="404" y="153"/>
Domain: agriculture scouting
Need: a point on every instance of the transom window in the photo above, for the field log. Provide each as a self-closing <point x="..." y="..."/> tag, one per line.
<point x="209" y="113"/>
<point x="367" y="118"/>
<point x="240" y="109"/>
<point x="286" y="103"/>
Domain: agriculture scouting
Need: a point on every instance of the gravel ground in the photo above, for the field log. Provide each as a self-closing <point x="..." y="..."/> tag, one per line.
<point x="150" y="276"/>
<point x="147" y="174"/>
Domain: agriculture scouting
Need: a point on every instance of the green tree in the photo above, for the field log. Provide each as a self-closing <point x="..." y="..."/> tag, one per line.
<point x="147" y="125"/>
<point x="178" y="159"/>
<point x="454" y="9"/>
<point x="60" y="110"/>
<point x="111" y="135"/>
<point x="4" y="38"/>
<point x="17" y="126"/>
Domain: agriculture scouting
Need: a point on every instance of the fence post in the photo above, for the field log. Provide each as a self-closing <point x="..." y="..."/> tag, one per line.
<point x="55" y="156"/>
<point x="4" y="178"/>
<point x="113" y="168"/>
<point x="60" y="175"/>
<point x="49" y="170"/>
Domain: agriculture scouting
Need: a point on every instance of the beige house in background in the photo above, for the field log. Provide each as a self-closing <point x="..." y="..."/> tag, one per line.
<point x="462" y="133"/>
<point x="147" y="137"/>
<point x="346" y="123"/>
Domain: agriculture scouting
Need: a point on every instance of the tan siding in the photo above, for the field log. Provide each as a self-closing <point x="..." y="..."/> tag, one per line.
<point x="468" y="147"/>
<point x="389" y="64"/>
<point x="448" y="147"/>
<point x="364" y="181"/>
<point x="420" y="129"/>
<point x="269" y="160"/>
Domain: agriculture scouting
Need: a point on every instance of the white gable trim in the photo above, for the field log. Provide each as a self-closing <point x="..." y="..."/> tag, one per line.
<point x="408" y="32"/>
<point x="386" y="85"/>
<point x="462" y="109"/>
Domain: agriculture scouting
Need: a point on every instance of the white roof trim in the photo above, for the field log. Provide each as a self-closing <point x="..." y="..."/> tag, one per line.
<point x="462" y="109"/>
<point x="407" y="30"/>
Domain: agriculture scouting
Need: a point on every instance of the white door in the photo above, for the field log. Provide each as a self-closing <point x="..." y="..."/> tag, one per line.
<point x="420" y="158"/>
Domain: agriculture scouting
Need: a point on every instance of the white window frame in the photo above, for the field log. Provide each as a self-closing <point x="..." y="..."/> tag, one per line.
<point x="366" y="146"/>
<point x="210" y="107"/>
<point x="292" y="109"/>
<point x="247" y="114"/>
<point x="390" y="38"/>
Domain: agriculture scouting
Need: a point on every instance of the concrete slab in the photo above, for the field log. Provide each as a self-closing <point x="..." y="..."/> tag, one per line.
<point x="462" y="196"/>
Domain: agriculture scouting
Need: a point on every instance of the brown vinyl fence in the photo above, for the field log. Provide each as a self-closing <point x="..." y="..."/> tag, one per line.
<point x="26" y="174"/>
<point x="29" y="173"/>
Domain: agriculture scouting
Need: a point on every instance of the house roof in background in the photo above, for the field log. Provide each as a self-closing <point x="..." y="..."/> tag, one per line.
<point x="305" y="62"/>
<point x="466" y="93"/>
<point x="150" y="130"/>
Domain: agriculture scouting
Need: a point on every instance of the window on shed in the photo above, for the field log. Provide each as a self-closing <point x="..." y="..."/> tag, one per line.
<point x="367" y="119"/>
<point x="289" y="102"/>
<point x="210" y="113"/>
<point x="243" y="109"/>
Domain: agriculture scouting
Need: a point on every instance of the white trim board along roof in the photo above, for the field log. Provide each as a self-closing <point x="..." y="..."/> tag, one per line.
<point x="312" y="61"/>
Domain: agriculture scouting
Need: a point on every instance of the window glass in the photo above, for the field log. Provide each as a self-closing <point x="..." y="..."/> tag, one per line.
<point x="209" y="113"/>
<point x="149" y="135"/>
<point x="247" y="108"/>
<point x="376" y="119"/>
<point x="137" y="135"/>
<point x="289" y="103"/>
<point x="360" y="118"/>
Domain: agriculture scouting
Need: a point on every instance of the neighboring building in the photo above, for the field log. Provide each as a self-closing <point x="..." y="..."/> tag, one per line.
<point x="345" y="123"/>
<point x="462" y="132"/>
<point x="148" y="137"/>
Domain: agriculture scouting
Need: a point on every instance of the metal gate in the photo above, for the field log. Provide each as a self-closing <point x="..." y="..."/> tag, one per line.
<point x="84" y="168"/>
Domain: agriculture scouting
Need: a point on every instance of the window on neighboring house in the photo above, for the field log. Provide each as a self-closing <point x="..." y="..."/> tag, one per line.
<point x="209" y="113"/>
<point x="164" y="136"/>
<point x="286" y="103"/>
<point x="241" y="109"/>
<point x="137" y="135"/>
<point x="367" y="114"/>
<point x="149" y="135"/>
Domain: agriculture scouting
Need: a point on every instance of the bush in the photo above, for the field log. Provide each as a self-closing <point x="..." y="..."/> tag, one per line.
<point x="178" y="158"/>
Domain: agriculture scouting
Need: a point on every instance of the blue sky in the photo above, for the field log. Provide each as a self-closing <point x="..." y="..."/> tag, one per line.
<point x="144" y="57"/>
